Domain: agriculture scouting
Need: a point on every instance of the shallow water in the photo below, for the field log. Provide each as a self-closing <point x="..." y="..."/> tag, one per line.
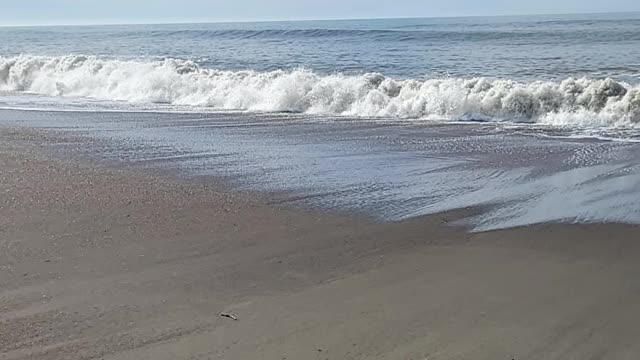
<point x="390" y="170"/>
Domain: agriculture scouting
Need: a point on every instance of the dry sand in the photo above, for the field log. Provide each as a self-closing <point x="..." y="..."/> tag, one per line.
<point x="100" y="262"/>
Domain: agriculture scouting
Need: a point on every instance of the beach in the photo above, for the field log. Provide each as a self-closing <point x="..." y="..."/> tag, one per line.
<point x="453" y="188"/>
<point x="115" y="262"/>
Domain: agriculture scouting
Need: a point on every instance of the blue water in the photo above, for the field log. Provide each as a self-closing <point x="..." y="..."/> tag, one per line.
<point x="525" y="47"/>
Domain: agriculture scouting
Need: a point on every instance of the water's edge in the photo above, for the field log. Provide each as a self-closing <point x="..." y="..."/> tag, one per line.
<point x="390" y="171"/>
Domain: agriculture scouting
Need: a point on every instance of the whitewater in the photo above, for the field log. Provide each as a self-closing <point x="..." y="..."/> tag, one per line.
<point x="570" y="102"/>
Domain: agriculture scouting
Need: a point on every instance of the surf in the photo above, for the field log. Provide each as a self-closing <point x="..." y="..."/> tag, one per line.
<point x="580" y="102"/>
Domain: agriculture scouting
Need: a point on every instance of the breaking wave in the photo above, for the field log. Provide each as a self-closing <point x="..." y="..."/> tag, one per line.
<point x="571" y="102"/>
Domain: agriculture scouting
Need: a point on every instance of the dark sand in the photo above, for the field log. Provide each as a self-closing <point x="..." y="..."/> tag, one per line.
<point x="100" y="262"/>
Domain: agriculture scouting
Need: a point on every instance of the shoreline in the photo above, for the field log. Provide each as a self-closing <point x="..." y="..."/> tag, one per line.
<point x="117" y="263"/>
<point x="389" y="171"/>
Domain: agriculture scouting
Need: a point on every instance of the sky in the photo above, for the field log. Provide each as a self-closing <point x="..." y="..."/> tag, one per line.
<point x="46" y="12"/>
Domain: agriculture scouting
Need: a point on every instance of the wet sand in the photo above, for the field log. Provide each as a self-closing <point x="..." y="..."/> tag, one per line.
<point x="106" y="262"/>
<point x="388" y="170"/>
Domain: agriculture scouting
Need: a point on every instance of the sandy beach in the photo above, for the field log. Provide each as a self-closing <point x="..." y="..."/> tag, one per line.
<point x="347" y="180"/>
<point x="105" y="262"/>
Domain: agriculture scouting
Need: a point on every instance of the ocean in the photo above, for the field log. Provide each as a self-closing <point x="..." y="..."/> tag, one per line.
<point x="577" y="70"/>
<point x="536" y="117"/>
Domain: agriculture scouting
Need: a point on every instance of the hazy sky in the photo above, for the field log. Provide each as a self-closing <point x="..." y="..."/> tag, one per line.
<point x="14" y="12"/>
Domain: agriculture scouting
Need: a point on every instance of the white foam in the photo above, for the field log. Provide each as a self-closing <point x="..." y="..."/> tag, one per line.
<point x="573" y="102"/>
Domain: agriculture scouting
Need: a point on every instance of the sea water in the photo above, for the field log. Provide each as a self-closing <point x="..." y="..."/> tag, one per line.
<point x="365" y="115"/>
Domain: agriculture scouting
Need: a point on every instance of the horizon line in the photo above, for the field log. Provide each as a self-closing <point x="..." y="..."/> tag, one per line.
<point x="195" y="21"/>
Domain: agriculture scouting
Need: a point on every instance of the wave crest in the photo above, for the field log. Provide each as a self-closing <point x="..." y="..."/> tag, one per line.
<point x="581" y="102"/>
